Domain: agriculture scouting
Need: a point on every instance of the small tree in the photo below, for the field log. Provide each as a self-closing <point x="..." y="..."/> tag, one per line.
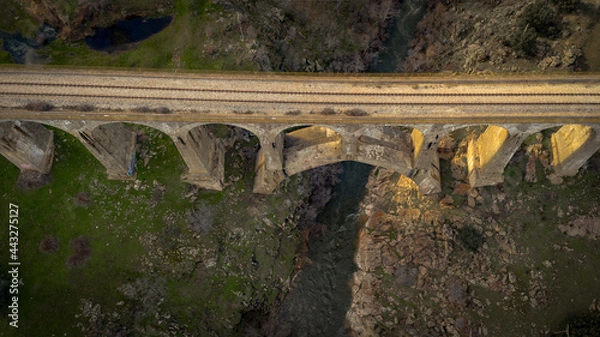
<point x="524" y="42"/>
<point x="542" y="17"/>
<point x="470" y="238"/>
<point x="581" y="325"/>
<point x="566" y="6"/>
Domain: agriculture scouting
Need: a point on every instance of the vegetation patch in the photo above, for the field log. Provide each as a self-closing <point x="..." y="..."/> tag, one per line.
<point x="198" y="247"/>
<point x="83" y="199"/>
<point x="542" y="18"/>
<point x="33" y="180"/>
<point x="470" y="238"/>
<point x="356" y="112"/>
<point x="566" y="6"/>
<point x="82" y="250"/>
<point x="328" y="112"/>
<point x="585" y="324"/>
<point x="39" y="106"/>
<point x="49" y="245"/>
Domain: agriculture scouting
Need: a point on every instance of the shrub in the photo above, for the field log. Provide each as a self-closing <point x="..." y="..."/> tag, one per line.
<point x="82" y="250"/>
<point x="541" y="17"/>
<point x="39" y="106"/>
<point x="356" y="112"/>
<point x="201" y="218"/>
<point x="49" y="245"/>
<point x="142" y="109"/>
<point x="32" y="180"/>
<point x="524" y="42"/>
<point x="162" y="110"/>
<point x="470" y="238"/>
<point x="83" y="199"/>
<point x="582" y="325"/>
<point x="328" y="111"/>
<point x="566" y="6"/>
<point x="86" y="107"/>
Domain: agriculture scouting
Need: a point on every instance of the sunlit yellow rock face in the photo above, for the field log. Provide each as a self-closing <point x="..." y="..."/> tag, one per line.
<point x="570" y="147"/>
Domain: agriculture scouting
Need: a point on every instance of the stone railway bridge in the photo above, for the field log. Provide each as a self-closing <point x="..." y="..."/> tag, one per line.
<point x="301" y="121"/>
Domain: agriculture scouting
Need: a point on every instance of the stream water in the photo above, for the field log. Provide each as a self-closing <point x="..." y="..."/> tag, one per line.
<point x="403" y="31"/>
<point x="23" y="50"/>
<point x="133" y="29"/>
<point x="321" y="296"/>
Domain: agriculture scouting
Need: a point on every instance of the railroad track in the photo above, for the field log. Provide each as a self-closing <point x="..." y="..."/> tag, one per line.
<point x="158" y="94"/>
<point x="295" y="93"/>
<point x="324" y="103"/>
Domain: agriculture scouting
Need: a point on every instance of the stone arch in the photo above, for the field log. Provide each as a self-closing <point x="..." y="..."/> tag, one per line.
<point x="478" y="153"/>
<point x="310" y="146"/>
<point x="240" y="144"/>
<point x="491" y="147"/>
<point x="203" y="151"/>
<point x="307" y="147"/>
<point x="490" y="151"/>
<point x="200" y="149"/>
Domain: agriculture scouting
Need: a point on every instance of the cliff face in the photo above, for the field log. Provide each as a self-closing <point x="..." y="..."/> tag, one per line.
<point x="503" y="260"/>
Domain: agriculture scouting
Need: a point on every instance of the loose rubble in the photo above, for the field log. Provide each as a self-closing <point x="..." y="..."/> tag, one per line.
<point x="418" y="274"/>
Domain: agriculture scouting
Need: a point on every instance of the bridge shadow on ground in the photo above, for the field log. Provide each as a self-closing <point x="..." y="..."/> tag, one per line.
<point x="318" y="303"/>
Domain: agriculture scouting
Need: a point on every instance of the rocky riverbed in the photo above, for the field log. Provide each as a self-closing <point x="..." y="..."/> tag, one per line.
<point x="517" y="259"/>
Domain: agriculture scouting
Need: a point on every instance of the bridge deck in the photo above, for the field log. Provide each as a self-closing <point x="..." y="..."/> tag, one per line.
<point x="268" y="98"/>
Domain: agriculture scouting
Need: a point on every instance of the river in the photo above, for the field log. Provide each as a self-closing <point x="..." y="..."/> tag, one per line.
<point x="321" y="295"/>
<point x="402" y="32"/>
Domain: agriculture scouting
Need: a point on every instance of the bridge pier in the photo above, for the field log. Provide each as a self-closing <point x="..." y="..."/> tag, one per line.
<point x="269" y="163"/>
<point x="113" y="145"/>
<point x="488" y="154"/>
<point x="572" y="146"/>
<point x="204" y="156"/>
<point x="426" y="171"/>
<point x="30" y="146"/>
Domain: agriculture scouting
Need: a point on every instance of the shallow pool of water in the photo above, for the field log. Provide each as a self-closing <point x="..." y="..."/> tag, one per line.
<point x="130" y="30"/>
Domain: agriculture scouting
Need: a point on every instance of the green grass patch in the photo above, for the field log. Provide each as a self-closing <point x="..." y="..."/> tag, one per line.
<point x="207" y="291"/>
<point x="112" y="221"/>
<point x="180" y="45"/>
<point x="15" y="18"/>
<point x="4" y="56"/>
